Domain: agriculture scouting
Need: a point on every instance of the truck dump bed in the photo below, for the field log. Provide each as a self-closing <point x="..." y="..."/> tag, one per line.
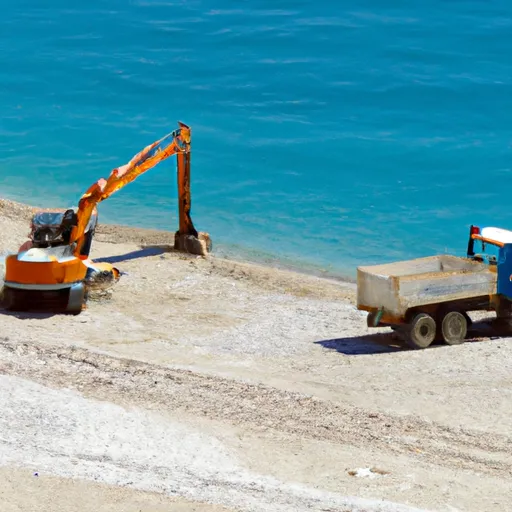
<point x="396" y="287"/>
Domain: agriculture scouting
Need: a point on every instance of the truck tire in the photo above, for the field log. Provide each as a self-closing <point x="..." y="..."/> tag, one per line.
<point x="454" y="328"/>
<point x="422" y="331"/>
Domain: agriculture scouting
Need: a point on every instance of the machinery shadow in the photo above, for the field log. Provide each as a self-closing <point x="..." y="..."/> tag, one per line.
<point x="28" y="315"/>
<point x="382" y="343"/>
<point x="144" y="252"/>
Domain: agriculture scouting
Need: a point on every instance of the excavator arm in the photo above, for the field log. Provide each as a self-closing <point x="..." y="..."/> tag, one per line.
<point x="176" y="142"/>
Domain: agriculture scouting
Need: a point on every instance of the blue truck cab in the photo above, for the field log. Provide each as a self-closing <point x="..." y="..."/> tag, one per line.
<point x="493" y="240"/>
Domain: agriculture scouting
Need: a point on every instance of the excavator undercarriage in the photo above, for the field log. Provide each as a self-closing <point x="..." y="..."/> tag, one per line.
<point x="52" y="271"/>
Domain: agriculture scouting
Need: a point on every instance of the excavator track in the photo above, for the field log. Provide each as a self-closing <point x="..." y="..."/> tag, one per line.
<point x="65" y="300"/>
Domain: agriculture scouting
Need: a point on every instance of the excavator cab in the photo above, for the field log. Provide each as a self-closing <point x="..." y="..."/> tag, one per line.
<point x="49" y="229"/>
<point x="54" y="229"/>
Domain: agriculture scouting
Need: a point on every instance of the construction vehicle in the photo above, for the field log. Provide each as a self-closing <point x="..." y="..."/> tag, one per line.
<point x="52" y="271"/>
<point x="428" y="299"/>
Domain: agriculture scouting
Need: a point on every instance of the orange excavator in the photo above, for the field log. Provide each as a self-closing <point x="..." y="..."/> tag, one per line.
<point x="52" y="270"/>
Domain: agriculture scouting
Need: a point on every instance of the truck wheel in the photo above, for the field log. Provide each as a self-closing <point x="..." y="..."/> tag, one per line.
<point x="422" y="331"/>
<point x="454" y="328"/>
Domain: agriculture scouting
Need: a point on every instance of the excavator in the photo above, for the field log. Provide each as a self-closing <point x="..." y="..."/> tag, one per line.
<point x="52" y="271"/>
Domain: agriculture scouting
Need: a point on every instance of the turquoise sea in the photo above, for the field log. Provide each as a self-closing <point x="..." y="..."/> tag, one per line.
<point x="325" y="134"/>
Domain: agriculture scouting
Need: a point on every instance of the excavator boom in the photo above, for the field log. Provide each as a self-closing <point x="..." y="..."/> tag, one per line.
<point x="176" y="142"/>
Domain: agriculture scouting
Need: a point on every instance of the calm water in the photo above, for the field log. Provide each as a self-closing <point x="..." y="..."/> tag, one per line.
<point x="325" y="133"/>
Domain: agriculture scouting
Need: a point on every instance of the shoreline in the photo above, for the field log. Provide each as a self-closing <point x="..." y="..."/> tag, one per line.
<point x="282" y="264"/>
<point x="227" y="252"/>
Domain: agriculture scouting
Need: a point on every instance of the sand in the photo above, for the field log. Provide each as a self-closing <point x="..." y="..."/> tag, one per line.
<point x="209" y="384"/>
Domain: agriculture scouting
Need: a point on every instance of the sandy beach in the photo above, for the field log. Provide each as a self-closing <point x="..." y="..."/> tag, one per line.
<point x="215" y="385"/>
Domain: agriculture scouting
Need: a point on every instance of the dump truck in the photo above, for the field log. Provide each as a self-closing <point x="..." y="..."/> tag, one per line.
<point x="428" y="299"/>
